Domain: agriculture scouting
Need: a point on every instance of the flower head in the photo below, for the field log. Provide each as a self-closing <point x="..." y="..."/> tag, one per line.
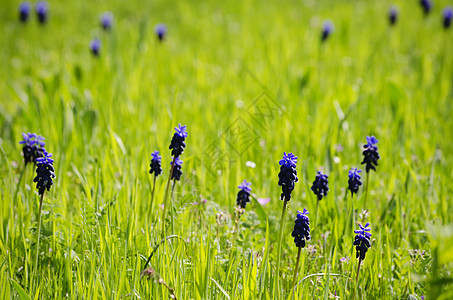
<point x="427" y="5"/>
<point x="244" y="193"/>
<point x="155" y="165"/>
<point x="42" y="11"/>
<point x="107" y="20"/>
<point x="362" y="241"/>
<point x="448" y="15"/>
<point x="176" y="174"/>
<point x="288" y="175"/>
<point x="371" y="154"/>
<point x="161" y="31"/>
<point x="320" y="185"/>
<point x="177" y="143"/>
<point x="33" y="147"/>
<point x="45" y="172"/>
<point x="24" y="11"/>
<point x="354" y="180"/>
<point x="393" y="15"/>
<point x="95" y="47"/>
<point x="327" y="30"/>
<point x="301" y="230"/>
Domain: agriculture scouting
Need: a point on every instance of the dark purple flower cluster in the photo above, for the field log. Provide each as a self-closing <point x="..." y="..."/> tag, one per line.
<point x="176" y="175"/>
<point x="24" y="11"/>
<point x="244" y="194"/>
<point x="177" y="144"/>
<point x="288" y="175"/>
<point x="301" y="231"/>
<point x="45" y="172"/>
<point x="393" y="15"/>
<point x="371" y="155"/>
<point x="448" y="15"/>
<point x="427" y="5"/>
<point x="107" y="20"/>
<point x="354" y="181"/>
<point x="156" y="167"/>
<point x="33" y="147"/>
<point x="320" y="185"/>
<point x="362" y="241"/>
<point x="327" y="29"/>
<point x="95" y="47"/>
<point x="161" y="31"/>
<point x="42" y="11"/>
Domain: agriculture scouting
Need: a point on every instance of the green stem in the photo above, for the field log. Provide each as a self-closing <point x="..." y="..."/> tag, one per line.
<point x="164" y="214"/>
<point x="316" y="217"/>
<point x="279" y="249"/>
<point x="18" y="184"/>
<point x="235" y="232"/>
<point x="366" y="190"/>
<point x="39" y="235"/>
<point x="172" y="208"/>
<point x="152" y="192"/>
<point x="295" y="271"/>
<point x="358" y="270"/>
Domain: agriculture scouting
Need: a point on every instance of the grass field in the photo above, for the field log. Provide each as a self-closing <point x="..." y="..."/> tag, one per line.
<point x="251" y="80"/>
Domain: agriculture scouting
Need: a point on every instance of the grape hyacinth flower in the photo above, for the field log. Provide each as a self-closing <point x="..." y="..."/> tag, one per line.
<point x="362" y="243"/>
<point x="24" y="11"/>
<point x="301" y="231"/>
<point x="155" y="165"/>
<point x="354" y="181"/>
<point x="327" y="30"/>
<point x="427" y="5"/>
<point x="288" y="175"/>
<point x="320" y="185"/>
<point x="45" y="172"/>
<point x="107" y="20"/>
<point x="176" y="175"/>
<point x="393" y="15"/>
<point x="95" y="47"/>
<point x="244" y="194"/>
<point x="42" y="11"/>
<point x="161" y="31"/>
<point x="448" y="15"/>
<point x="301" y="234"/>
<point x="371" y="155"/>
<point x="177" y="144"/>
<point x="33" y="147"/>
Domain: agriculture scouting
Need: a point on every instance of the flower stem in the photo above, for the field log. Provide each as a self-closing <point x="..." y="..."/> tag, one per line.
<point x="279" y="249"/>
<point x="39" y="235"/>
<point x="166" y="196"/>
<point x="358" y="270"/>
<point x="295" y="271"/>
<point x="238" y="215"/>
<point x="152" y="192"/>
<point x="172" y="208"/>
<point x="18" y="184"/>
<point x="316" y="217"/>
<point x="366" y="190"/>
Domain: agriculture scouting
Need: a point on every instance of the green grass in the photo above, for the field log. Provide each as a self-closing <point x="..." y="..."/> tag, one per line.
<point x="221" y="63"/>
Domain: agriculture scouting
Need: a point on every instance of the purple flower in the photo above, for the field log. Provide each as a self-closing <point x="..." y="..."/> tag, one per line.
<point x="176" y="174"/>
<point x="301" y="230"/>
<point x="327" y="30"/>
<point x="107" y="20"/>
<point x="362" y="241"/>
<point x="320" y="185"/>
<point x="45" y="172"/>
<point x="370" y="154"/>
<point x="155" y="165"/>
<point x="177" y="143"/>
<point x="288" y="175"/>
<point x="244" y="193"/>
<point x="95" y="47"/>
<point x="33" y="147"/>
<point x="161" y="31"/>
<point x="393" y="15"/>
<point x="427" y="5"/>
<point x="24" y="11"/>
<point x="448" y="15"/>
<point x="354" y="180"/>
<point x="42" y="10"/>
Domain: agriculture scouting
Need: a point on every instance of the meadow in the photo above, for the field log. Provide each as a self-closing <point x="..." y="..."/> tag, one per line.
<point x="251" y="80"/>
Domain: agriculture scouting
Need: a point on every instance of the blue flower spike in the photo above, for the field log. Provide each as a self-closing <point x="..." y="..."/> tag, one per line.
<point x="288" y="175"/>
<point x="176" y="175"/>
<point x="244" y="194"/>
<point x="42" y="11"/>
<point x="370" y="154"/>
<point x="301" y="232"/>
<point x="45" y="172"/>
<point x="24" y="11"/>
<point x="156" y="165"/>
<point x="354" y="181"/>
<point x="321" y="185"/>
<point x="177" y="143"/>
<point x="362" y="240"/>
